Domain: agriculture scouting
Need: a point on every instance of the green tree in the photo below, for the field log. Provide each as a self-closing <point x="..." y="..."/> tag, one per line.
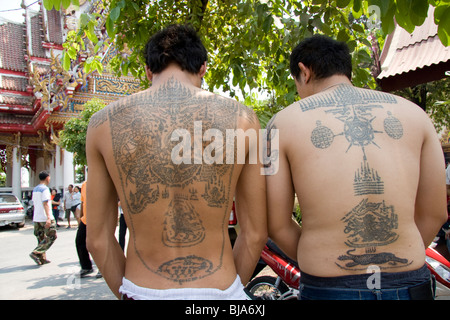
<point x="432" y="97"/>
<point x="73" y="136"/>
<point x="249" y="41"/>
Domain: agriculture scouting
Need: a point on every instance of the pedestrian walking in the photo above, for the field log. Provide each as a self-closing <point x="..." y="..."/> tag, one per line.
<point x="56" y="201"/>
<point x="80" y="240"/>
<point x="69" y="203"/>
<point x="44" y="221"/>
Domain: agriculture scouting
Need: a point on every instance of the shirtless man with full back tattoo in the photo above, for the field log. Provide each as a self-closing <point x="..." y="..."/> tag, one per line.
<point x="160" y="152"/>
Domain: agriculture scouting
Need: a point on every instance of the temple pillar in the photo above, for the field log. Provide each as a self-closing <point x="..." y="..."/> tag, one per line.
<point x="17" y="173"/>
<point x="69" y="171"/>
<point x="9" y="170"/>
<point x="59" y="170"/>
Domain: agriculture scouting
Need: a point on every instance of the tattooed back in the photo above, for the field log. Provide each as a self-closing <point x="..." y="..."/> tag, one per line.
<point x="360" y="160"/>
<point x="176" y="205"/>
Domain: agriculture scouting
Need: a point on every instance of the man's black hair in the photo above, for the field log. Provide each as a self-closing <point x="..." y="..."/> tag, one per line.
<point x="176" y="43"/>
<point x="324" y="56"/>
<point x="43" y="175"/>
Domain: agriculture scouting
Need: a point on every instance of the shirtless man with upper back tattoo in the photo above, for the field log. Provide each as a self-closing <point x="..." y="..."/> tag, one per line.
<point x="368" y="170"/>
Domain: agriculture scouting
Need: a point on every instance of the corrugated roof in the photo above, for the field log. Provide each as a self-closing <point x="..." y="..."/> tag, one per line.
<point x="12" y="47"/>
<point x="408" y="52"/>
<point x="13" y="83"/>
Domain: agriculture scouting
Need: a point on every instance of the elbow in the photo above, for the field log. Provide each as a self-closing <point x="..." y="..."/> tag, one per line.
<point x="274" y="233"/>
<point x="445" y="216"/>
<point x="90" y="244"/>
<point x="262" y="239"/>
<point x="93" y="245"/>
<point x="254" y="239"/>
<point x="441" y="219"/>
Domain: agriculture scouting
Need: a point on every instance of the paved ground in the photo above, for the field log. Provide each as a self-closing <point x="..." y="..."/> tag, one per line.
<point x="22" y="279"/>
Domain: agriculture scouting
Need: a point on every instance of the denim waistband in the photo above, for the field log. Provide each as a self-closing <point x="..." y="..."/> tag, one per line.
<point x="388" y="280"/>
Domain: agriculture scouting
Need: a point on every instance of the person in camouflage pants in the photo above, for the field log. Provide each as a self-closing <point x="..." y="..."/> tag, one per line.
<point x="44" y="221"/>
<point x="45" y="237"/>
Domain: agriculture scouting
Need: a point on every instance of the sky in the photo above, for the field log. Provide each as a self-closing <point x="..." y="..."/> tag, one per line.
<point x="15" y="15"/>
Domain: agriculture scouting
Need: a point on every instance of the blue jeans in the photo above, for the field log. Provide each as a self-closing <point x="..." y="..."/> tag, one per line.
<point x="408" y="285"/>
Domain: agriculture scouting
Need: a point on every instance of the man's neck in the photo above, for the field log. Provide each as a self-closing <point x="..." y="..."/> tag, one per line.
<point x="173" y="71"/>
<point x="328" y="83"/>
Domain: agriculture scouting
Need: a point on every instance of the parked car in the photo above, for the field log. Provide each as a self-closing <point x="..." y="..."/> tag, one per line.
<point x="11" y="211"/>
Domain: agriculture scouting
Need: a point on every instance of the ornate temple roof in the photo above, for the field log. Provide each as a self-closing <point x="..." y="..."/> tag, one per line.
<point x="35" y="91"/>
<point x="37" y="96"/>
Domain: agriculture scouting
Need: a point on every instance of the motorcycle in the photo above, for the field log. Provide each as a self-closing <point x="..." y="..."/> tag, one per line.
<point x="437" y="256"/>
<point x="285" y="285"/>
<point x="28" y="204"/>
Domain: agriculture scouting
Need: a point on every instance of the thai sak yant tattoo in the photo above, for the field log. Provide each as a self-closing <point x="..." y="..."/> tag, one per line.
<point x="368" y="226"/>
<point x="143" y="146"/>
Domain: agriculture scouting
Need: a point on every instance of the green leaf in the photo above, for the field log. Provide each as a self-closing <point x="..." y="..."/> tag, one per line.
<point x="387" y="21"/>
<point x="439" y="12"/>
<point x="48" y="4"/>
<point x="98" y="46"/>
<point x="72" y="52"/>
<point x="57" y="5"/>
<point x="90" y="33"/>
<point x="402" y="15"/>
<point x="357" y="5"/>
<point x="84" y="20"/>
<point x="66" y="61"/>
<point x="304" y="19"/>
<point x="444" y="28"/>
<point x="343" y="36"/>
<point x="419" y="12"/>
<point x="110" y="27"/>
<point x="66" y="3"/>
<point x="267" y="24"/>
<point x="114" y="14"/>
<point x="342" y="3"/>
<point x="383" y="5"/>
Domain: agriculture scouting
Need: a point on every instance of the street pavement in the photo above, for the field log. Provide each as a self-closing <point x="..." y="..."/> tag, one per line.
<point x="22" y="279"/>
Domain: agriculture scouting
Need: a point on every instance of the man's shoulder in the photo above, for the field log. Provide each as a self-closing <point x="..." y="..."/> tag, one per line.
<point x="244" y="112"/>
<point x="41" y="188"/>
<point x="101" y="116"/>
<point x="284" y="116"/>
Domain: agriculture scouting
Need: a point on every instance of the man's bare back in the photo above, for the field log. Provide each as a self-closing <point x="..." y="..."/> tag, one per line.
<point x="177" y="214"/>
<point x="166" y="154"/>
<point x="359" y="173"/>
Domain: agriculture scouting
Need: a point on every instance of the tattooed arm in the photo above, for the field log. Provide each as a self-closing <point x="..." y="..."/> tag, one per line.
<point x="283" y="230"/>
<point x="431" y="211"/>
<point x="101" y="201"/>
<point x="251" y="209"/>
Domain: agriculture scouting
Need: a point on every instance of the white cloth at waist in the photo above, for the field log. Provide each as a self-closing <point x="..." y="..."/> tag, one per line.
<point x="233" y="292"/>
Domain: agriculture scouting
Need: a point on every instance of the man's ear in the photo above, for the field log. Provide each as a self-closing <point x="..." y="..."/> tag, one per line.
<point x="202" y="71"/>
<point x="149" y="74"/>
<point x="305" y="72"/>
